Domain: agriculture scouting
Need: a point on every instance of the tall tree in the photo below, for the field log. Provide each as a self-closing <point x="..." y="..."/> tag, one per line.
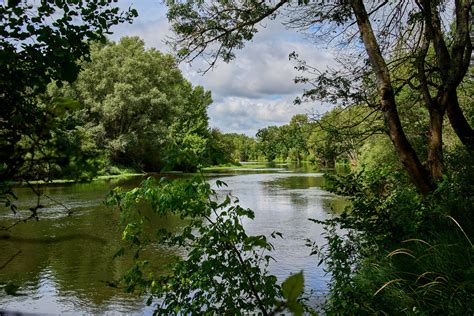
<point x="140" y="109"/>
<point x="42" y="41"/>
<point x="271" y="143"/>
<point x="299" y="133"/>
<point x="243" y="147"/>
<point x="392" y="34"/>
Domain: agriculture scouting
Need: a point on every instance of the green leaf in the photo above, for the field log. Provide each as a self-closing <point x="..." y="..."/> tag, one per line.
<point x="11" y="289"/>
<point x="63" y="104"/>
<point x="293" y="286"/>
<point x="296" y="308"/>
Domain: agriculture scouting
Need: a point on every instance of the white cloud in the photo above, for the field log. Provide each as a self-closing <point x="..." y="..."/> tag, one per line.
<point x="262" y="68"/>
<point x="247" y="115"/>
<point x="153" y="32"/>
<point x="255" y="90"/>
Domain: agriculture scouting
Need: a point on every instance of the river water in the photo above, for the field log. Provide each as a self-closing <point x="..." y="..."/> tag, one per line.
<point x="64" y="264"/>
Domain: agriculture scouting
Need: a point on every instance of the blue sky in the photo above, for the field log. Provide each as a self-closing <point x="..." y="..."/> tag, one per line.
<point x="255" y="90"/>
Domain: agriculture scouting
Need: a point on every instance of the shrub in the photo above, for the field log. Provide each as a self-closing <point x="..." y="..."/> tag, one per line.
<point x="393" y="251"/>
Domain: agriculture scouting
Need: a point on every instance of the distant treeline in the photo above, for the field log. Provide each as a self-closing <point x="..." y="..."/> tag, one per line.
<point x="353" y="135"/>
<point x="131" y="109"/>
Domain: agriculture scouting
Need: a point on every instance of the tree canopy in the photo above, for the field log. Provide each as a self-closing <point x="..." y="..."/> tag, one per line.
<point x="40" y="42"/>
<point x="140" y="111"/>
<point x="430" y="38"/>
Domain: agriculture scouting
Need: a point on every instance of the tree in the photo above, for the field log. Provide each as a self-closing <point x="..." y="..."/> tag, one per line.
<point x="38" y="43"/>
<point x="299" y="130"/>
<point x="220" y="148"/>
<point x="190" y="139"/>
<point x="393" y="34"/>
<point x="140" y="109"/>
<point x="243" y="147"/>
<point x="271" y="144"/>
<point x="341" y="132"/>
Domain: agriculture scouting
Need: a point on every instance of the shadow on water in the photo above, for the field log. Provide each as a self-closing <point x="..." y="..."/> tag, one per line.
<point x="52" y="240"/>
<point x="64" y="264"/>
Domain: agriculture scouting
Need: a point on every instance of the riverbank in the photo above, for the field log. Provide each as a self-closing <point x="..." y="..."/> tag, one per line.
<point x="66" y="261"/>
<point x="64" y="181"/>
<point x="242" y="166"/>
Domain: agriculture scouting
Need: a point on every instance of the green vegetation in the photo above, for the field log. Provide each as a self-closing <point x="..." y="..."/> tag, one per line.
<point x="139" y="112"/>
<point x="324" y="142"/>
<point x="40" y="43"/>
<point x="402" y="253"/>
<point x="402" y="121"/>
<point x="241" y="147"/>
<point x="407" y="246"/>
<point x="224" y="269"/>
<point x="285" y="142"/>
<point x="124" y="110"/>
<point x="337" y="137"/>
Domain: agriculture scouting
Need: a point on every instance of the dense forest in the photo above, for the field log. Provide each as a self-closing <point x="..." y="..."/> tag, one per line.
<point x="129" y="108"/>
<point x="137" y="111"/>
<point x="76" y="105"/>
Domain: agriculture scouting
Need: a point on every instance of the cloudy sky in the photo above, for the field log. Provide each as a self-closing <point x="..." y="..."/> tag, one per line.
<point x="255" y="90"/>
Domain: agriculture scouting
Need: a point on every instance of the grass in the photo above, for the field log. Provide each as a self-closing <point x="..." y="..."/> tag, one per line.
<point x="115" y="176"/>
<point x="235" y="167"/>
<point x="64" y="181"/>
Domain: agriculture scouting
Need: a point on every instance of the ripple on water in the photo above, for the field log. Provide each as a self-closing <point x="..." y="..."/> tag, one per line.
<point x="67" y="260"/>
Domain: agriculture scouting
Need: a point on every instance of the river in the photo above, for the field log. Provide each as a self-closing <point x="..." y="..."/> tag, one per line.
<point x="63" y="264"/>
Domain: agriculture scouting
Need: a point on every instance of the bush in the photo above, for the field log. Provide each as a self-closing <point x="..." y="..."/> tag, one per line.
<point x="223" y="270"/>
<point x="393" y="251"/>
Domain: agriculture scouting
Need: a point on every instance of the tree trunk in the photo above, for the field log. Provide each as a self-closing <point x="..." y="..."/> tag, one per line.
<point x="353" y="159"/>
<point x="435" y="143"/>
<point x="453" y="62"/>
<point x="458" y="121"/>
<point x="419" y="175"/>
<point x="405" y="151"/>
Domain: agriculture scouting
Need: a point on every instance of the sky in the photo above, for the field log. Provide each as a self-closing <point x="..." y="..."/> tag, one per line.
<point x="255" y="90"/>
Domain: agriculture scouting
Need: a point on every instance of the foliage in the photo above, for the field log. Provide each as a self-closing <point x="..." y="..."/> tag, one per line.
<point x="400" y="252"/>
<point x="40" y="43"/>
<point x="271" y="144"/>
<point x="298" y="129"/>
<point x="243" y="148"/>
<point x="223" y="270"/>
<point x="221" y="149"/>
<point x="140" y="110"/>
<point x="189" y="137"/>
<point x="390" y="50"/>
<point x="340" y="133"/>
<point x="287" y="142"/>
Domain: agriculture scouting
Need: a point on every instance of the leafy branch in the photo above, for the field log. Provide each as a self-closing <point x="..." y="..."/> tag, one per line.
<point x="223" y="270"/>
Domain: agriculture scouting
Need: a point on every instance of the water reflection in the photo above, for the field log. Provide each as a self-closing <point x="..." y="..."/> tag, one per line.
<point x="284" y="202"/>
<point x="65" y="262"/>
